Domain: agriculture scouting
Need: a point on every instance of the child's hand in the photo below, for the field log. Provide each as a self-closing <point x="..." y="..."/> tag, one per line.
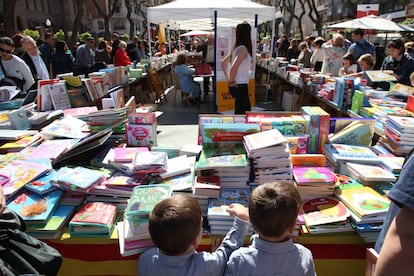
<point x="239" y="211"/>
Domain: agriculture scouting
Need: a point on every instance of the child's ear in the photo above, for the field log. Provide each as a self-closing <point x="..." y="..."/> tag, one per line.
<point x="292" y="228"/>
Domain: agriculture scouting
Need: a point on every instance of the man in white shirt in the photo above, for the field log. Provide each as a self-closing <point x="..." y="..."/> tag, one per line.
<point x="13" y="66"/>
<point x="33" y="59"/>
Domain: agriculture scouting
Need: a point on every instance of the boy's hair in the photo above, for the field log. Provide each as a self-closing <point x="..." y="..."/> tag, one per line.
<point x="349" y="57"/>
<point x="368" y="59"/>
<point x="174" y="223"/>
<point x="273" y="208"/>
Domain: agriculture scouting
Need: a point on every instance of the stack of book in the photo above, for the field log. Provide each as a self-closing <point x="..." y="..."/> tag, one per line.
<point x="270" y="156"/>
<point x="319" y="122"/>
<point x="324" y="215"/>
<point x="368" y="174"/>
<point x="233" y="170"/>
<point x="220" y="221"/>
<point x="108" y="118"/>
<point x="337" y="153"/>
<point x="206" y="186"/>
<point x="400" y="133"/>
<point x="314" y="182"/>
<point x="368" y="208"/>
<point x="133" y="233"/>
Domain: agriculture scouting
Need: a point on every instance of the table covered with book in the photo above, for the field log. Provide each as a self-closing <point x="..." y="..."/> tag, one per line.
<point x="224" y="153"/>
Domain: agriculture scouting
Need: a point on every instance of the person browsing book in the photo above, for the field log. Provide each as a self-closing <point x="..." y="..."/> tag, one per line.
<point x="349" y="65"/>
<point x="273" y="209"/>
<point x="237" y="67"/>
<point x="396" y="240"/>
<point x="175" y="226"/>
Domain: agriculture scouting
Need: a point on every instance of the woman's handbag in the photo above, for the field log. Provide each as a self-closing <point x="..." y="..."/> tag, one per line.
<point x="21" y="253"/>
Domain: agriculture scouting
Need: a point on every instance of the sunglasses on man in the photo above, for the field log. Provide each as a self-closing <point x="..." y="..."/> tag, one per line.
<point x="6" y="51"/>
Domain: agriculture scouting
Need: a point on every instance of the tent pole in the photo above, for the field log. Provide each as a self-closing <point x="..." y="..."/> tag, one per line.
<point x="215" y="62"/>
<point x="149" y="39"/>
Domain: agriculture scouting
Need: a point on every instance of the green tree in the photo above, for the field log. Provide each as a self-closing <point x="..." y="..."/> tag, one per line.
<point x="84" y="36"/>
<point x="34" y="34"/>
<point x="60" y="35"/>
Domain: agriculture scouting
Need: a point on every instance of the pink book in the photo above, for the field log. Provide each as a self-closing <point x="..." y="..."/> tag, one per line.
<point x="127" y="154"/>
<point x="304" y="175"/>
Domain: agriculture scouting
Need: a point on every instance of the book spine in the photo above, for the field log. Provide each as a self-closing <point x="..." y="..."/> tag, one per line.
<point x="324" y="120"/>
<point x="313" y="129"/>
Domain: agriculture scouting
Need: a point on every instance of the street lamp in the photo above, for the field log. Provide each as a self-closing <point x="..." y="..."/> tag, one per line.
<point x="48" y="24"/>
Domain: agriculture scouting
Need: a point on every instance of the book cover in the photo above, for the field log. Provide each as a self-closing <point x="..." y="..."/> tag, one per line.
<point x="151" y="160"/>
<point x="144" y="198"/>
<point x="356" y="133"/>
<point x="16" y="134"/>
<point x="323" y="210"/>
<point x="43" y="184"/>
<point x="263" y="139"/>
<point x="127" y="154"/>
<point x="309" y="175"/>
<point x="68" y="127"/>
<point x="53" y="149"/>
<point x="94" y="218"/>
<point x="55" y="223"/>
<point x="35" y="208"/>
<point x="308" y="160"/>
<point x="298" y="144"/>
<point x="217" y="206"/>
<point x="314" y="121"/>
<point x="142" y="118"/>
<point x="226" y="132"/>
<point x="356" y="154"/>
<point x="404" y="124"/>
<point x="20" y="144"/>
<point x="378" y="76"/>
<point x="59" y="96"/>
<point x="364" y="201"/>
<point x="357" y="101"/>
<point x="141" y="135"/>
<point x="79" y="178"/>
<point x="228" y="161"/>
<point x="324" y="121"/>
<point x="370" y="172"/>
<point x="393" y="163"/>
<point x="21" y="172"/>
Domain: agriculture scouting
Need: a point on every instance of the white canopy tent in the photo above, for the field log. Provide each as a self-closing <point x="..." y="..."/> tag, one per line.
<point x="372" y="22"/>
<point x="199" y="15"/>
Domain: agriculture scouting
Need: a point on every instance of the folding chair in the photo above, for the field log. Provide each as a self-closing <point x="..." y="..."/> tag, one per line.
<point x="156" y="86"/>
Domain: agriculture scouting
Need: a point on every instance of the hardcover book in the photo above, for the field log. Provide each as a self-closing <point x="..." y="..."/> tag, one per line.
<point x="207" y="185"/>
<point x="364" y="201"/>
<point x="312" y="175"/>
<point x="228" y="161"/>
<point x="323" y="210"/>
<point x="217" y="207"/>
<point x="226" y="132"/>
<point x="34" y="208"/>
<point x="263" y="139"/>
<point x="20" y="144"/>
<point x="79" y="178"/>
<point x="350" y="153"/>
<point x="143" y="199"/>
<point x="356" y="133"/>
<point x="369" y="172"/>
<point x="42" y="184"/>
<point x="404" y="124"/>
<point x="93" y="219"/>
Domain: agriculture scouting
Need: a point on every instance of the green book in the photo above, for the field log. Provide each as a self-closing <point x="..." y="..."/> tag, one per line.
<point x="357" y="101"/>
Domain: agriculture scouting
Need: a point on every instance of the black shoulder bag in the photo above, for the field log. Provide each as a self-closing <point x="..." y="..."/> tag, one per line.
<point x="21" y="253"/>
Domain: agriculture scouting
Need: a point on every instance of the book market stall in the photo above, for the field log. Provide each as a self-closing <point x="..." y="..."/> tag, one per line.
<point x="85" y="165"/>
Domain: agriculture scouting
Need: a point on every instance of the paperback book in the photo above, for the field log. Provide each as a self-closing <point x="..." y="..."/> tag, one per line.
<point x="349" y="153"/>
<point x="323" y="210"/>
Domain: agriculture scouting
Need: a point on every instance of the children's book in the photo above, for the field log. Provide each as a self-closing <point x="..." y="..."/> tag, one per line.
<point x="54" y="226"/>
<point x="226" y="132"/>
<point x="79" y="178"/>
<point x="356" y="133"/>
<point x="323" y="210"/>
<point x="312" y="175"/>
<point x="68" y="127"/>
<point x="42" y="184"/>
<point x="263" y="139"/>
<point x="393" y="163"/>
<point x="228" y="161"/>
<point x="127" y="154"/>
<point x="15" y="134"/>
<point x="34" y="208"/>
<point x="364" y="201"/>
<point x="19" y="173"/>
<point x="144" y="198"/>
<point x="53" y="149"/>
<point x="308" y="160"/>
<point x="349" y="153"/>
<point x="20" y="144"/>
<point x="93" y="219"/>
<point x="217" y="206"/>
<point x="404" y="124"/>
<point x="369" y="172"/>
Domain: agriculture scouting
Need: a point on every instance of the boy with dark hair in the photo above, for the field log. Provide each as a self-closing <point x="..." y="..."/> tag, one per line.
<point x="175" y="225"/>
<point x="273" y="209"/>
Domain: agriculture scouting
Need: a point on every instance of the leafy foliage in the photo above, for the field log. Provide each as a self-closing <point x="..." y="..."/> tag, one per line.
<point x="60" y="35"/>
<point x="33" y="33"/>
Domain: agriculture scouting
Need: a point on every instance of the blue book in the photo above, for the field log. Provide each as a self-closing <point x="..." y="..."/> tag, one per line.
<point x="35" y="209"/>
<point x="43" y="184"/>
<point x="349" y="153"/>
<point x="313" y="128"/>
<point x="79" y="178"/>
<point x="217" y="206"/>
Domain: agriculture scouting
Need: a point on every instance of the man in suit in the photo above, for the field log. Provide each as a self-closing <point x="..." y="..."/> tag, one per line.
<point x="47" y="48"/>
<point x="33" y="59"/>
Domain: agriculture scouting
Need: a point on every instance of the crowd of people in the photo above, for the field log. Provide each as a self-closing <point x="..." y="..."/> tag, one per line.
<point x="24" y="61"/>
<point x="341" y="57"/>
